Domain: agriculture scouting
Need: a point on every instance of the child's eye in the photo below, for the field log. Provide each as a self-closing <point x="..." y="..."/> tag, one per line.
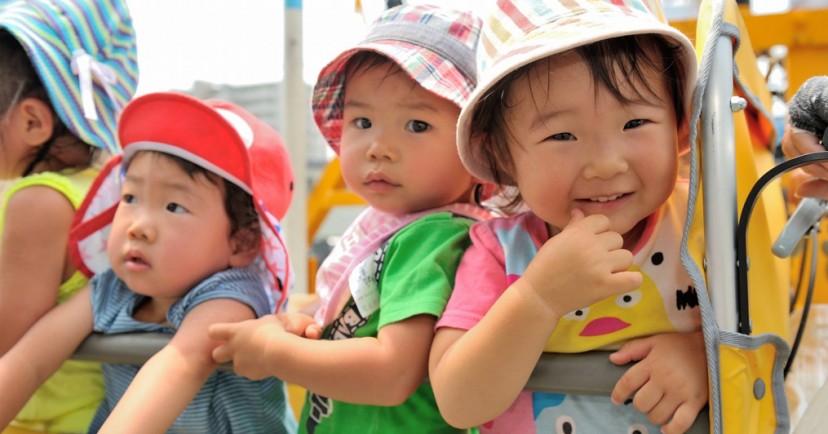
<point x="416" y="126"/>
<point x="562" y="136"/>
<point x="635" y="123"/>
<point x="127" y="198"/>
<point x="362" y="123"/>
<point x="175" y="208"/>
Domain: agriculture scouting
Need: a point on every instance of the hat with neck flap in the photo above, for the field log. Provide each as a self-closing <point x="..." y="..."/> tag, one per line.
<point x="218" y="136"/>
<point x="85" y="55"/>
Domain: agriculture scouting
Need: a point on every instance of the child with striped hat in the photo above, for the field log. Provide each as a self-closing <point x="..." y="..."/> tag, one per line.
<point x="68" y="67"/>
<point x="581" y="111"/>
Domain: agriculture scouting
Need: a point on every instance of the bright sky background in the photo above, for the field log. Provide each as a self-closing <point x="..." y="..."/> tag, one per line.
<point x="240" y="41"/>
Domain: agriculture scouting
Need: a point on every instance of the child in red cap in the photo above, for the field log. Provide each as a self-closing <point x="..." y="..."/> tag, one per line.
<point x="388" y="108"/>
<point x="188" y="220"/>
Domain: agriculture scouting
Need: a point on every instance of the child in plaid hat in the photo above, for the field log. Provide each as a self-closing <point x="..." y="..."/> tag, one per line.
<point x="582" y="110"/>
<point x="190" y="215"/>
<point x="67" y="67"/>
<point x="388" y="107"/>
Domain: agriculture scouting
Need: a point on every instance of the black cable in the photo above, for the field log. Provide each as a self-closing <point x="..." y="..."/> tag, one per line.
<point x="806" y="307"/>
<point x="742" y="263"/>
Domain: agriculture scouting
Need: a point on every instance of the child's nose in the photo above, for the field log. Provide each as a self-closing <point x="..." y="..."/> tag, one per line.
<point x="381" y="148"/>
<point x="141" y="229"/>
<point x="606" y="163"/>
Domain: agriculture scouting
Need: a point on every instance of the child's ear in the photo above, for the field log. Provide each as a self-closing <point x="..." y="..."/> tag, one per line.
<point x="32" y="121"/>
<point x="683" y="137"/>
<point x="245" y="248"/>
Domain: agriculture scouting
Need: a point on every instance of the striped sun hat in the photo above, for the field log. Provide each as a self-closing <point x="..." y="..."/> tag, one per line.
<point x="84" y="52"/>
<point x="435" y="46"/>
<point x="519" y="32"/>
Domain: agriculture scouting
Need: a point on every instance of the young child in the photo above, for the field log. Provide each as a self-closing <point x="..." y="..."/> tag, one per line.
<point x="67" y="68"/>
<point x="191" y="242"/>
<point x="388" y="107"/>
<point x="583" y="109"/>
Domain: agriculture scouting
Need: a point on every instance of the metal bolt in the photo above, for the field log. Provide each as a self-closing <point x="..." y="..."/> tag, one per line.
<point x="737" y="103"/>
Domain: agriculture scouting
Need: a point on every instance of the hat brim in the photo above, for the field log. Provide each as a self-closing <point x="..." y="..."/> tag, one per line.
<point x="105" y="33"/>
<point x="543" y="43"/>
<point x="431" y="71"/>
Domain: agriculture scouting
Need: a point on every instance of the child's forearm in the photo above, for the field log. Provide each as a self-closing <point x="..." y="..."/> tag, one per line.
<point x="41" y="351"/>
<point x="476" y="375"/>
<point x="18" y="381"/>
<point x="378" y="371"/>
<point x="169" y="380"/>
<point x="163" y="388"/>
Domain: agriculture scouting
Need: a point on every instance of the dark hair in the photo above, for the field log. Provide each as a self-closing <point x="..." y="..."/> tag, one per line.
<point x="365" y="59"/>
<point x="633" y="55"/>
<point x="238" y="204"/>
<point x="20" y="81"/>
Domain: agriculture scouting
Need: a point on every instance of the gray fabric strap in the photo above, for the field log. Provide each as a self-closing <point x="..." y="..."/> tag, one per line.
<point x="710" y="326"/>
<point x="450" y="49"/>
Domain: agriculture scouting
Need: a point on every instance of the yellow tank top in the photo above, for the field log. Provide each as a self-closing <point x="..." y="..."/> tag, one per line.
<point x="68" y="400"/>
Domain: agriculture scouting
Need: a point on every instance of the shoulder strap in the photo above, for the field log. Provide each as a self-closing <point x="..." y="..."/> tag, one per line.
<point x="362" y="238"/>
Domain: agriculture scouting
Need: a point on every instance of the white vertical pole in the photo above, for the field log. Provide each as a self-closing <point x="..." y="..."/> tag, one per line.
<point x="719" y="180"/>
<point x="294" y="106"/>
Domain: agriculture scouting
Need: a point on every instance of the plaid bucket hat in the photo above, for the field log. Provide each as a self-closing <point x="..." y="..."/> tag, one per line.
<point x="215" y="135"/>
<point x="519" y="32"/>
<point x="435" y="46"/>
<point x="85" y="55"/>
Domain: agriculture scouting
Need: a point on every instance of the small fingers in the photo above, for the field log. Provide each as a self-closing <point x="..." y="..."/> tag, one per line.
<point x="647" y="398"/>
<point x="634" y="350"/>
<point x="625" y="281"/>
<point x="663" y="410"/>
<point x="632" y="380"/>
<point x="313" y="331"/>
<point x="683" y="419"/>
<point x="814" y="188"/>
<point x="222" y="354"/>
<point x="220" y="332"/>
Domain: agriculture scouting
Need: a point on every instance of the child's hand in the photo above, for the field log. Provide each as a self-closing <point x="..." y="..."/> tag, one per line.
<point x="815" y="183"/>
<point x="583" y="264"/>
<point x="246" y="343"/>
<point x="300" y="324"/>
<point x="669" y="384"/>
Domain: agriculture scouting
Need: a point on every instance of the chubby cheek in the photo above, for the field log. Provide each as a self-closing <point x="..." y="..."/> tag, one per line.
<point x="350" y="167"/>
<point x="113" y="248"/>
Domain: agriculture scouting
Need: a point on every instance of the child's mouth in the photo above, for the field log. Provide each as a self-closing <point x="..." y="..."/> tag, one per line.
<point x="606" y="198"/>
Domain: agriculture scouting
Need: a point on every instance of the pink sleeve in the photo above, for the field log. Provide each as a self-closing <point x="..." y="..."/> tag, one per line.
<point x="480" y="280"/>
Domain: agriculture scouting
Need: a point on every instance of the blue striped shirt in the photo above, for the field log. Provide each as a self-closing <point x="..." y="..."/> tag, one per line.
<point x="227" y="403"/>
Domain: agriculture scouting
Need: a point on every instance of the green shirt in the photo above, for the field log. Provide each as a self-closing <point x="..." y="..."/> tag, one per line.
<point x="416" y="278"/>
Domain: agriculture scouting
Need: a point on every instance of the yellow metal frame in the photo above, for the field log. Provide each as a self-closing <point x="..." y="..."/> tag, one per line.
<point x="329" y="191"/>
<point x="801" y="30"/>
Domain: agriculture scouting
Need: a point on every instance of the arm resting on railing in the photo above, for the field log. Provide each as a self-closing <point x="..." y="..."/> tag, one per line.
<point x="588" y="373"/>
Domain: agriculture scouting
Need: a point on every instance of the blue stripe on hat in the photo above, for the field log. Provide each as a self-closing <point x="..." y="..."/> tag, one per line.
<point x="52" y="30"/>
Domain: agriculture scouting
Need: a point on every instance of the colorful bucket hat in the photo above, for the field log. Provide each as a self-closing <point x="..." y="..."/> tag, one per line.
<point x="519" y="32"/>
<point x="216" y="135"/>
<point x="85" y="55"/>
<point x="436" y="46"/>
